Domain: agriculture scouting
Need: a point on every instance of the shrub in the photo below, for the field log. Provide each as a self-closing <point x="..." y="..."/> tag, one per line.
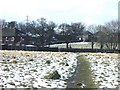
<point x="54" y="75"/>
<point x="48" y="62"/>
<point x="63" y="63"/>
<point x="34" y="70"/>
<point x="31" y="60"/>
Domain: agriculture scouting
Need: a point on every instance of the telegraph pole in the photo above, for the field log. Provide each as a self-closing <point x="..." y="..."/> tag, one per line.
<point x="0" y="34"/>
<point x="27" y="18"/>
<point x="27" y="21"/>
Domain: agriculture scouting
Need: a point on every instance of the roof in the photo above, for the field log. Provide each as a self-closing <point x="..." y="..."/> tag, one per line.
<point x="87" y="33"/>
<point x="8" y="32"/>
<point x="19" y="33"/>
<point x="12" y="32"/>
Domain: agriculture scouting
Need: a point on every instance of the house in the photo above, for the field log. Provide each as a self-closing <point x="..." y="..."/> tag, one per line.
<point x="14" y="37"/>
<point x="87" y="36"/>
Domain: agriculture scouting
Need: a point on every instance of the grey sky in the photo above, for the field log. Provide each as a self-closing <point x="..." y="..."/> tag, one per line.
<point x="59" y="11"/>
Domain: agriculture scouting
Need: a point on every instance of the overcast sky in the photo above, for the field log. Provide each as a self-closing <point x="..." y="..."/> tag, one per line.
<point x="59" y="11"/>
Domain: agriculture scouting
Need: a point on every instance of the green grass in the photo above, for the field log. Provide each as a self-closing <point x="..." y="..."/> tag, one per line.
<point x="84" y="75"/>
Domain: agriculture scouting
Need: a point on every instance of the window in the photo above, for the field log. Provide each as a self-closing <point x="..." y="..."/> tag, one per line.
<point x="12" y="38"/>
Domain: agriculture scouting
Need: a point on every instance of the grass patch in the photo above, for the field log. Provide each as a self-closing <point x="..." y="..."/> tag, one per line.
<point x="84" y="75"/>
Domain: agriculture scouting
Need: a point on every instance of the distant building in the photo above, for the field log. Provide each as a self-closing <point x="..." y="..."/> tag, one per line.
<point x="86" y="36"/>
<point x="15" y="37"/>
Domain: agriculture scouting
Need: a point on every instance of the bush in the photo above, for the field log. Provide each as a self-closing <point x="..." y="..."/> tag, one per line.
<point x="48" y="62"/>
<point x="54" y="75"/>
<point x="31" y="60"/>
<point x="63" y="63"/>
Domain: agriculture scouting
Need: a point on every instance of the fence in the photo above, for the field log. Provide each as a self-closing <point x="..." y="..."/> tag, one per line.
<point x="5" y="47"/>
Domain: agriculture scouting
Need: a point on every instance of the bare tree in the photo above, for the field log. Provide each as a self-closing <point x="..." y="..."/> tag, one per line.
<point x="112" y="32"/>
<point x="93" y="30"/>
<point x="42" y="27"/>
<point x="65" y="33"/>
<point x="77" y="30"/>
<point x="107" y="35"/>
<point x="51" y="31"/>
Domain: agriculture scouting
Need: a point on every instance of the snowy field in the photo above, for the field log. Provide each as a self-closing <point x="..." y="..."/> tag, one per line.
<point x="20" y="69"/>
<point x="105" y="69"/>
<point x="73" y="45"/>
<point x="23" y="69"/>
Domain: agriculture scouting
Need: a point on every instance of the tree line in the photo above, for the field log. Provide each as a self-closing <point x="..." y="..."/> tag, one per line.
<point x="48" y="32"/>
<point x="106" y="35"/>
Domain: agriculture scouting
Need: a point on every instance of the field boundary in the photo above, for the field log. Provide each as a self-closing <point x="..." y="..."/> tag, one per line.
<point x="59" y="49"/>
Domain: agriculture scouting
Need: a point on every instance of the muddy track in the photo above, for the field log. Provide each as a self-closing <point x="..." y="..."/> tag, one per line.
<point x="82" y="77"/>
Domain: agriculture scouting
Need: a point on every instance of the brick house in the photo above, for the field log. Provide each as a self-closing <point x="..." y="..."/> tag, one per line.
<point x="14" y="37"/>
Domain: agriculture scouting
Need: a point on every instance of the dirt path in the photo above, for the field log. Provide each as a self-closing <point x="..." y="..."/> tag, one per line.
<point x="82" y="77"/>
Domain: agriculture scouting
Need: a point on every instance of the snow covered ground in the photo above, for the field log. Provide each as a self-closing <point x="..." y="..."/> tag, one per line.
<point x="105" y="69"/>
<point x="73" y="45"/>
<point x="22" y="69"/>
